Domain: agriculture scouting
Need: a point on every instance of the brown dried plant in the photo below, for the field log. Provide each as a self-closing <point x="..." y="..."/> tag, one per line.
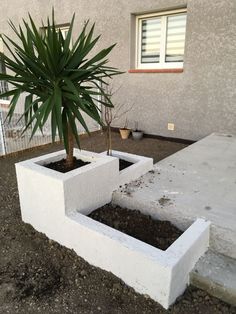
<point x="112" y="114"/>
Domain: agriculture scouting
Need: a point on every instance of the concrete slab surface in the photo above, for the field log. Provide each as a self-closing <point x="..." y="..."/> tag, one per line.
<point x="196" y="182"/>
<point x="216" y="274"/>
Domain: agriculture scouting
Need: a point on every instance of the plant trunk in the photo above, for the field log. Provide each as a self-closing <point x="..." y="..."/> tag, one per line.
<point x="109" y="152"/>
<point x="69" y="155"/>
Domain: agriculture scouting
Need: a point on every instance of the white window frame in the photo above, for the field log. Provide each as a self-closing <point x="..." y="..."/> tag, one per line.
<point x="162" y="64"/>
<point x="63" y="30"/>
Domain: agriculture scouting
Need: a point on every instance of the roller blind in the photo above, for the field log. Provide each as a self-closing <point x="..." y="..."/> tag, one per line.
<point x="161" y="39"/>
<point x="150" y="40"/>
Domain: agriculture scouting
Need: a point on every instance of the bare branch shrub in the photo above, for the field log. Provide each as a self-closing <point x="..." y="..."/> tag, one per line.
<point x="112" y="114"/>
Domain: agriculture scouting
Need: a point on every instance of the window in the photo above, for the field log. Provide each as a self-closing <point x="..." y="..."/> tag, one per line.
<point x="3" y="84"/>
<point x="64" y="30"/>
<point x="161" y="40"/>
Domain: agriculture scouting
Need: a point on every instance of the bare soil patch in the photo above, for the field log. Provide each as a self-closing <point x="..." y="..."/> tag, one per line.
<point x="160" y="234"/>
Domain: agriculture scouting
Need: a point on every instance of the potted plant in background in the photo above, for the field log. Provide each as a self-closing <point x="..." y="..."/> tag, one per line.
<point x="125" y="131"/>
<point x="136" y="133"/>
<point x="60" y="81"/>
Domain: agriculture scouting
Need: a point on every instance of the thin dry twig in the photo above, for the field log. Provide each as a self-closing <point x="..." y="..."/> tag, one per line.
<point x="113" y="114"/>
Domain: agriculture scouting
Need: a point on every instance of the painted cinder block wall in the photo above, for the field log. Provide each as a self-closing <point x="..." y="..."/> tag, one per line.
<point x="198" y="101"/>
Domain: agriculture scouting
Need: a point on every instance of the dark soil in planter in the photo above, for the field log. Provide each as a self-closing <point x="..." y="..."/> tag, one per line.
<point x="160" y="234"/>
<point x="60" y="165"/>
<point x="123" y="164"/>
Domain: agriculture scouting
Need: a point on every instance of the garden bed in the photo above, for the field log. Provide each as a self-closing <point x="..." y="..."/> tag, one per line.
<point x="160" y="234"/>
<point x="83" y="288"/>
<point x="60" y="214"/>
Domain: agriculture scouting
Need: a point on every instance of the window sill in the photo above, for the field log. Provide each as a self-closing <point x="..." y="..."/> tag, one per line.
<point x="156" y="70"/>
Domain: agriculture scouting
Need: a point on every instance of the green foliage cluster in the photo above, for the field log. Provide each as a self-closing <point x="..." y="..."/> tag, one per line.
<point x="61" y="80"/>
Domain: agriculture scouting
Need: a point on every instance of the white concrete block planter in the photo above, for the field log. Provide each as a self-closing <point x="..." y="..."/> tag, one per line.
<point x="141" y="165"/>
<point x="163" y="275"/>
<point x="84" y="189"/>
<point x="56" y="204"/>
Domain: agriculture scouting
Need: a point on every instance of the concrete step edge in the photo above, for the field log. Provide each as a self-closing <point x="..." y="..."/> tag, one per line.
<point x="216" y="274"/>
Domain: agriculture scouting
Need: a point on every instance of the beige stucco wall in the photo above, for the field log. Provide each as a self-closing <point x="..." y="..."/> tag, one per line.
<point x="198" y="101"/>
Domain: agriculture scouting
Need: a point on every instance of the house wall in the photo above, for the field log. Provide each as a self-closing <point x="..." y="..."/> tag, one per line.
<point x="198" y="101"/>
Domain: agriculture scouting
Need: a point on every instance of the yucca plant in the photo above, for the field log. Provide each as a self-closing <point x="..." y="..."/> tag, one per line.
<point x="60" y="81"/>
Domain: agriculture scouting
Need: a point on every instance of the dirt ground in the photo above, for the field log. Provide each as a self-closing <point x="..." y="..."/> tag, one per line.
<point x="38" y="275"/>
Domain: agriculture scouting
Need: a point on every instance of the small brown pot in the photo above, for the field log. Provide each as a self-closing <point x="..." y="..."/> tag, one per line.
<point x="124" y="133"/>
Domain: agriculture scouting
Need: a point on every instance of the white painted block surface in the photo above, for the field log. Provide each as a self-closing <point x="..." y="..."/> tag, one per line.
<point x="186" y="251"/>
<point x="141" y="165"/>
<point x="163" y="275"/>
<point x="44" y="191"/>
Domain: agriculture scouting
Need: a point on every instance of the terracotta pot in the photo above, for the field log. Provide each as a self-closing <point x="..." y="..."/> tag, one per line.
<point x="124" y="133"/>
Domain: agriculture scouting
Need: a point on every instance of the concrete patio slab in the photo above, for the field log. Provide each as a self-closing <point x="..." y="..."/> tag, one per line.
<point x="196" y="182"/>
